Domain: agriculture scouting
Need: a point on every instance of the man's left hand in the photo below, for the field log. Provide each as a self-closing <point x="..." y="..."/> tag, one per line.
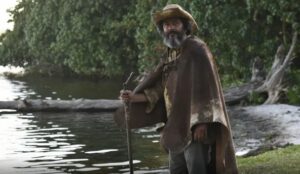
<point x="200" y="132"/>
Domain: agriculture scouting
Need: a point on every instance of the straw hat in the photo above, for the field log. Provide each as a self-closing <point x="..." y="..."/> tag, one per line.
<point x="174" y="10"/>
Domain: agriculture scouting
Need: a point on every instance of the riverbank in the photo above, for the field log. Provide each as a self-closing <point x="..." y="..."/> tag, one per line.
<point x="264" y="127"/>
<point x="286" y="160"/>
<point x="279" y="161"/>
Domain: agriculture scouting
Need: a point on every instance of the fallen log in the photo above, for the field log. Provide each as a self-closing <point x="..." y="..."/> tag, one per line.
<point x="235" y="95"/>
<point x="36" y="105"/>
<point x="30" y="105"/>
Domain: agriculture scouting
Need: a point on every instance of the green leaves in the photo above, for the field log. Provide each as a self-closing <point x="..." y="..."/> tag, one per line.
<point x="85" y="37"/>
<point x="111" y="38"/>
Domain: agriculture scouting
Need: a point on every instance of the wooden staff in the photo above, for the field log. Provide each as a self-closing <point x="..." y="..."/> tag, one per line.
<point x="128" y="129"/>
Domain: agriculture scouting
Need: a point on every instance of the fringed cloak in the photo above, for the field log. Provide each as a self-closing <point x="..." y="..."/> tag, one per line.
<point x="198" y="99"/>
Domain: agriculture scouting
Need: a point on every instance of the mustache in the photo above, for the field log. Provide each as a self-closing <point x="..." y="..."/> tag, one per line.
<point x="173" y="38"/>
<point x="175" y="32"/>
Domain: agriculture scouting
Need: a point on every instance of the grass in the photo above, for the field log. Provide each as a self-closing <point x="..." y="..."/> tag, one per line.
<point x="280" y="161"/>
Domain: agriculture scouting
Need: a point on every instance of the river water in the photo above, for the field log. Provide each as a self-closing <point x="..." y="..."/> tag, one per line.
<point x="78" y="142"/>
<point x="66" y="142"/>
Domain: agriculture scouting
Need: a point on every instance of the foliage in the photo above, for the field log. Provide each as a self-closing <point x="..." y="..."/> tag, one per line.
<point x="110" y="38"/>
<point x="293" y="94"/>
<point x="256" y="98"/>
<point x="86" y="37"/>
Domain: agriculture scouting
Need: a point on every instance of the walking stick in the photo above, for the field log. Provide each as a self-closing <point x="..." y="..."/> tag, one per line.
<point x="128" y="129"/>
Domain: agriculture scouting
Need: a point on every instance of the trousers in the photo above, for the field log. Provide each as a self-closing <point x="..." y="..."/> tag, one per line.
<point x="192" y="160"/>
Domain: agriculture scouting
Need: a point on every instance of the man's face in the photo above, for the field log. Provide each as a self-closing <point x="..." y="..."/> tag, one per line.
<point x="173" y="32"/>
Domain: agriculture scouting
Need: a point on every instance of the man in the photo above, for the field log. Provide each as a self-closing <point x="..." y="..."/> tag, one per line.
<point x="184" y="93"/>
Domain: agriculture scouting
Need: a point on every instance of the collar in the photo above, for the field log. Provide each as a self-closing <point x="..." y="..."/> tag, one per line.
<point x="173" y="54"/>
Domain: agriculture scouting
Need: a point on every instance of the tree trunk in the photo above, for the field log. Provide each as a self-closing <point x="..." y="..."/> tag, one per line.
<point x="272" y="84"/>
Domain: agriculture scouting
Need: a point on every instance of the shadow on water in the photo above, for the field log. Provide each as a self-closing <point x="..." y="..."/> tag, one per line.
<point x="69" y="88"/>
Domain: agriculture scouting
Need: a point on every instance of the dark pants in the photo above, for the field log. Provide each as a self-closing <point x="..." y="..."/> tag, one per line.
<point x="193" y="160"/>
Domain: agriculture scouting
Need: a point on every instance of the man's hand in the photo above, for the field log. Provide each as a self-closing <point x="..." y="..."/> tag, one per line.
<point x="200" y="132"/>
<point x="128" y="96"/>
<point x="125" y="95"/>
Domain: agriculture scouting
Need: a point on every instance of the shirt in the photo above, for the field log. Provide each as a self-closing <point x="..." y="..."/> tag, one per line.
<point x="164" y="88"/>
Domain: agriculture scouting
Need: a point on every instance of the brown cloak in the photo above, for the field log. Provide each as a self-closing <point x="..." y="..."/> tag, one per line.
<point x="198" y="99"/>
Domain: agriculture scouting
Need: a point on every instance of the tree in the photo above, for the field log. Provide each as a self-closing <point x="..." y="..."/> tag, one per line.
<point x="111" y="38"/>
<point x="85" y="37"/>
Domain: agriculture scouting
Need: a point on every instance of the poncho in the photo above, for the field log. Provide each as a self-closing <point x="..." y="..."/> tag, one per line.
<point x="197" y="98"/>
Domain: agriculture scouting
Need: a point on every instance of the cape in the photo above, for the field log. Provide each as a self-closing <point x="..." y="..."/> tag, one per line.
<point x="198" y="99"/>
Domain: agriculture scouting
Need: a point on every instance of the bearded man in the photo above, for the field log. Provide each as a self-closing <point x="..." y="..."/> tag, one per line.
<point x="184" y="93"/>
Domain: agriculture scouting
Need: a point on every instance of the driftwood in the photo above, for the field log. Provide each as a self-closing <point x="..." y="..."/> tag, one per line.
<point x="235" y="95"/>
<point x="61" y="105"/>
<point x="272" y="84"/>
<point x="34" y="105"/>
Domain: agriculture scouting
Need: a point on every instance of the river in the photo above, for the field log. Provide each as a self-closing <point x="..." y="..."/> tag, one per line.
<point x="78" y="142"/>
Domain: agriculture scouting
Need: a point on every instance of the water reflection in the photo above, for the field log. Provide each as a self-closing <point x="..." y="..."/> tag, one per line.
<point x="27" y="145"/>
<point x="70" y="142"/>
<point x="68" y="88"/>
<point x="102" y="151"/>
<point x="10" y="90"/>
<point x="20" y="146"/>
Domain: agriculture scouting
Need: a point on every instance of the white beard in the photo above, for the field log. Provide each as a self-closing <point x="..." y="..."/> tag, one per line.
<point x="175" y="41"/>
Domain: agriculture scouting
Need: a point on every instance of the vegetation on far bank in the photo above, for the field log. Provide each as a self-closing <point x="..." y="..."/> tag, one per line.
<point x="112" y="38"/>
<point x="279" y="161"/>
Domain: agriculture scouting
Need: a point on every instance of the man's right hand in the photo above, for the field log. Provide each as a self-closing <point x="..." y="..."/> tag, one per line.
<point x="125" y="95"/>
<point x="128" y="96"/>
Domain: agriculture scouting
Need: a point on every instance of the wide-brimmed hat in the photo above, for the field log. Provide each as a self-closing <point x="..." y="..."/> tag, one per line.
<point x="171" y="11"/>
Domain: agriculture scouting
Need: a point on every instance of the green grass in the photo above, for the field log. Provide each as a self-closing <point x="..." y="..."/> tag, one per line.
<point x="280" y="161"/>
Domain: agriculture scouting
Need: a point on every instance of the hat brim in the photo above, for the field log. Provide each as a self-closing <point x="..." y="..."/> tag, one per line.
<point x="160" y="16"/>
